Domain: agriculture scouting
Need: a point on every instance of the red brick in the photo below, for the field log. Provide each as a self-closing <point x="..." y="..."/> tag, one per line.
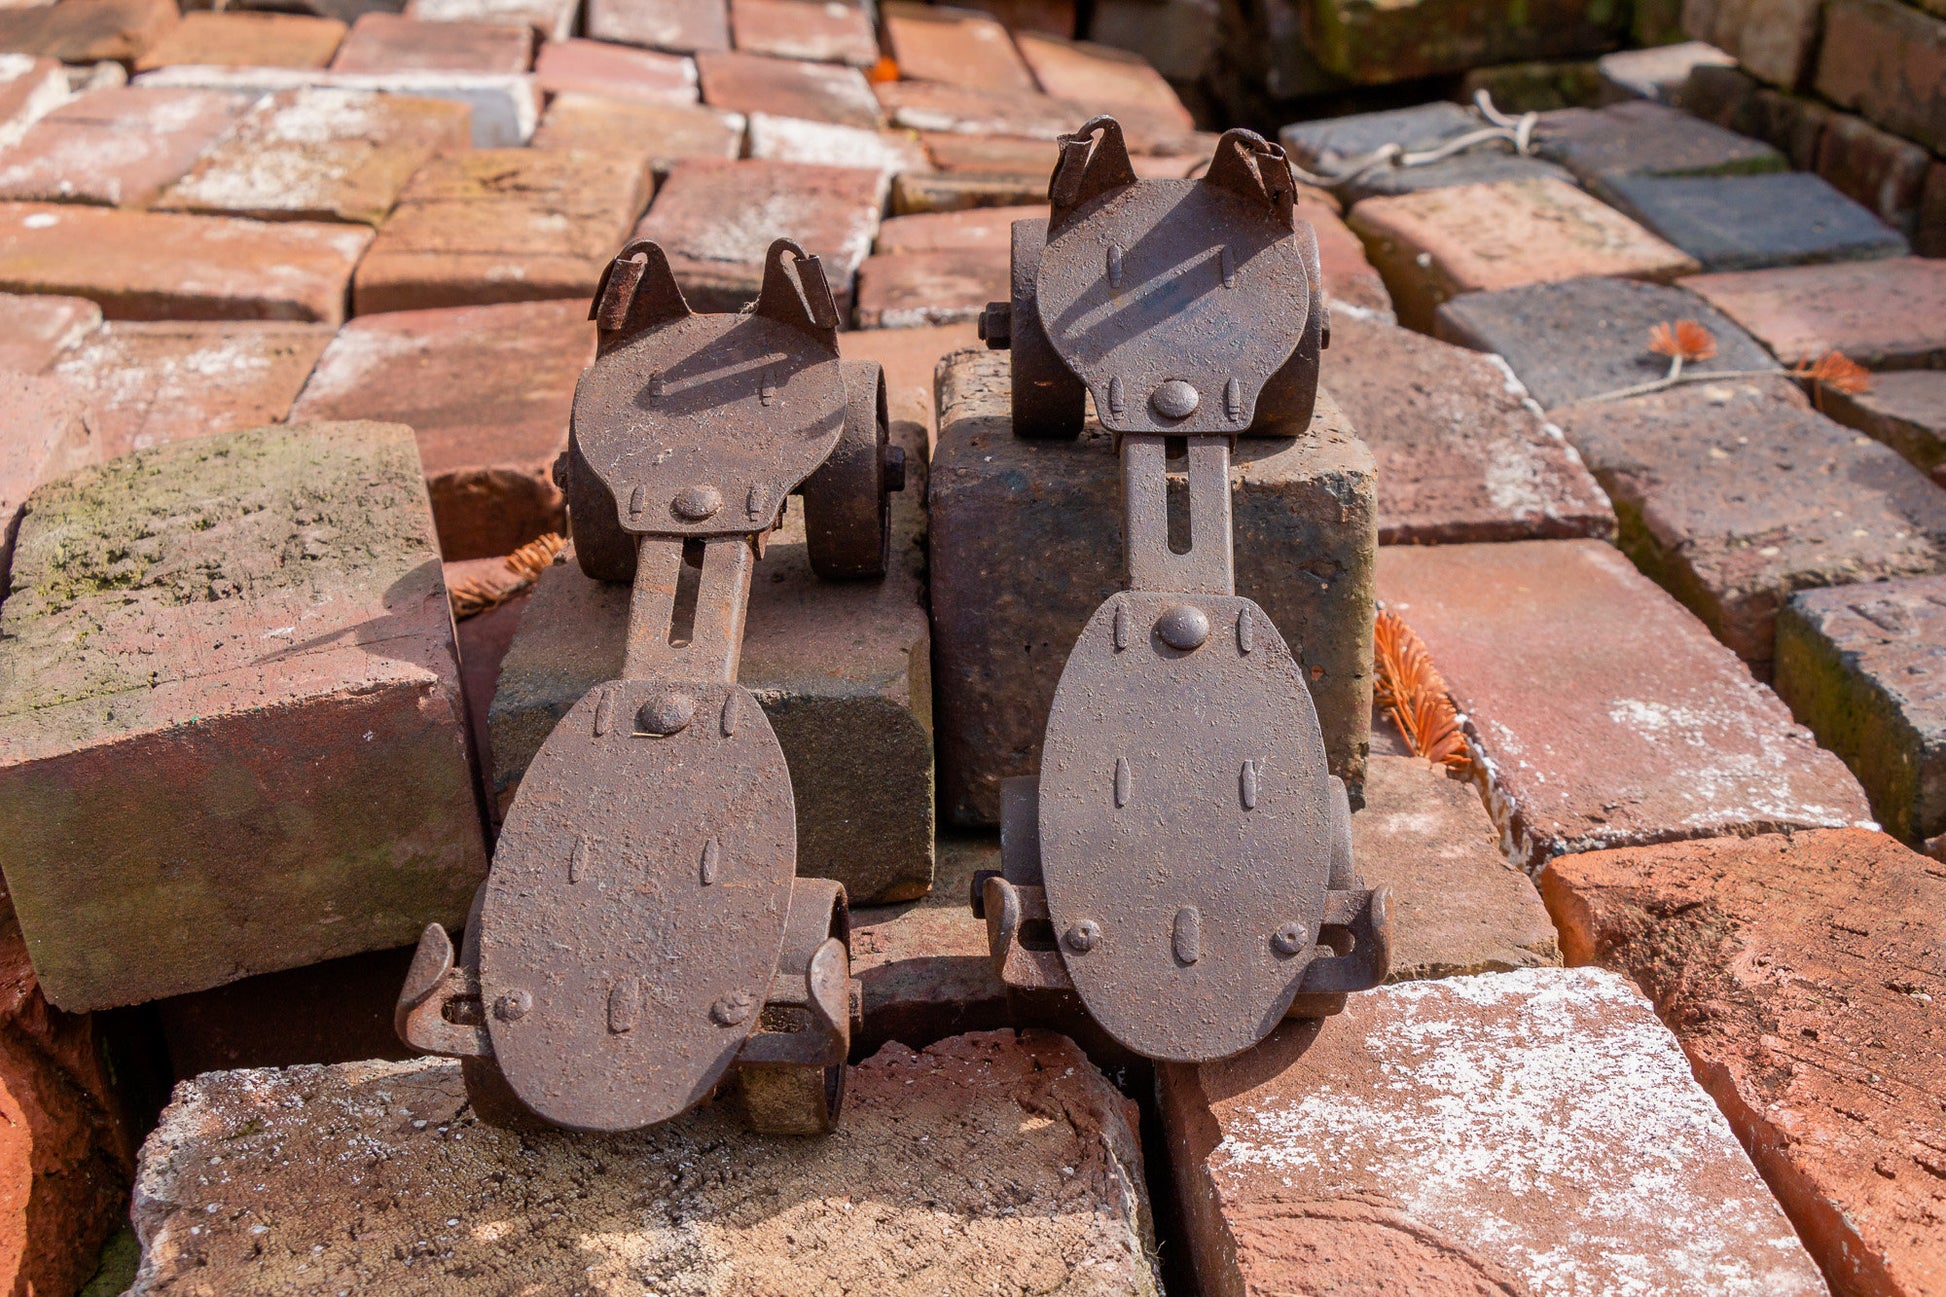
<point x="659" y="134"/>
<point x="1878" y="169"/>
<point x="1439" y="243"/>
<point x="991" y="154"/>
<point x="910" y="358"/>
<point x="828" y="31"/>
<point x="551" y="20"/>
<point x="1608" y="714"/>
<point x="243" y="39"/>
<point x="30" y="88"/>
<point x="916" y="193"/>
<point x="1535" y="1131"/>
<point x="1929" y="234"/>
<point x="486" y="389"/>
<point x="1886" y="60"/>
<point x="1888" y="314"/>
<point x="1350" y="279"/>
<point x="319" y="155"/>
<point x="619" y="72"/>
<point x="793" y="139"/>
<point x="1113" y="80"/>
<point x="88" y="31"/>
<point x="959" y="47"/>
<point x="484" y="639"/>
<point x="902" y="290"/>
<point x="985" y="228"/>
<point x="819" y="92"/>
<point x="147" y="385"/>
<point x="382" y="42"/>
<point x="500" y="225"/>
<point x="717" y="219"/>
<point x="45" y="432"/>
<point x="1906" y="410"/>
<point x="1659" y="72"/>
<point x="1051" y="17"/>
<point x="679" y="26"/>
<point x="160" y="265"/>
<point x="1463" y="453"/>
<point x="118" y="146"/>
<point x="1802" y="975"/>
<point x="1772" y="39"/>
<point x="964" y="110"/>
<point x="34" y="330"/>
<point x="255" y="758"/>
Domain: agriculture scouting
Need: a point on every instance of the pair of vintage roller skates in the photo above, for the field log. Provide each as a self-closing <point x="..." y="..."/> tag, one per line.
<point x="1181" y="870"/>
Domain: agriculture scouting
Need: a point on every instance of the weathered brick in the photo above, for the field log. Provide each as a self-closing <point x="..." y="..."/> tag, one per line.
<point x="1801" y="974"/>
<point x="1929" y="232"/>
<point x="1439" y="243"/>
<point x="46" y="435"/>
<point x="1176" y="37"/>
<point x="1743" y="222"/>
<point x="88" y="31"/>
<point x="1865" y="667"/>
<point x="805" y="29"/>
<point x="503" y="107"/>
<point x="1119" y="82"/>
<point x="717" y="219"/>
<point x="660" y="134"/>
<point x="318" y="155"/>
<point x="992" y="154"/>
<point x="615" y="72"/>
<point x="1792" y="124"/>
<point x="989" y="1162"/>
<point x="984" y="228"/>
<point x="1880" y="170"/>
<point x="161" y="265"/>
<point x="1731" y="495"/>
<point x="1659" y="73"/>
<point x="917" y="192"/>
<point x="243" y="39"/>
<point x="1483" y="165"/>
<point x="234" y="735"/>
<point x="1774" y="39"/>
<point x="484" y="639"/>
<point x="117" y="147"/>
<point x="1718" y="93"/>
<point x="1371" y="45"/>
<point x="1054" y="17"/>
<point x="1886" y="314"/>
<point x="34" y="330"/>
<point x="1534" y="1131"/>
<point x="910" y="357"/>
<point x="30" y="88"/>
<point x="1027" y="542"/>
<point x="1887" y="61"/>
<point x="1328" y="143"/>
<point x="961" y="47"/>
<point x="487" y="391"/>
<point x="500" y="225"/>
<point x="903" y="290"/>
<point x="380" y="43"/>
<point x="819" y="92"/>
<point x="551" y="20"/>
<point x="843" y="670"/>
<point x="1905" y="409"/>
<point x="1542" y="86"/>
<point x="148" y="384"/>
<point x="1582" y="338"/>
<point x="793" y="139"/>
<point x="1606" y="712"/>
<point x="679" y="26"/>
<point x="1349" y="278"/>
<point x="967" y="110"/>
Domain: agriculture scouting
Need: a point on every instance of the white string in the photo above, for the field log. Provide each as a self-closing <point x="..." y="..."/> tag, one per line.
<point x="1517" y="131"/>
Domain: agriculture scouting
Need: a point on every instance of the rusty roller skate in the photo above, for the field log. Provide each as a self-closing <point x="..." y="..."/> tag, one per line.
<point x="1182" y="865"/>
<point x="642" y="931"/>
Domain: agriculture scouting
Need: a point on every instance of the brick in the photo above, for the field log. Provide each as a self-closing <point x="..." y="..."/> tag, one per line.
<point x="30" y="88"/>
<point x="679" y="26"/>
<point x="380" y="43"/>
<point x="717" y="219"/>
<point x="1773" y="39"/>
<point x="88" y="31"/>
<point x="255" y="758"/>
<point x="486" y="389"/>
<point x="35" y="330"/>
<point x="1887" y="314"/>
<point x="1660" y="72"/>
<point x="1645" y="139"/>
<point x="1092" y="73"/>
<point x="1800" y="975"/>
<point x="917" y="193"/>
<point x="960" y="47"/>
<point x="1606" y="712"/>
<point x="318" y="155"/>
<point x="1053" y="17"/>
<point x="964" y="110"/>
<point x="987" y="229"/>
<point x="1929" y="233"/>
<point x="619" y="72"/>
<point x="805" y="29"/>
<point x="500" y="225"/>
<point x="1718" y="93"/>
<point x="1886" y="60"/>
<point x="1534" y="1131"/>
<point x="46" y="435"/>
<point x="1458" y="906"/>
<point x="660" y="134"/>
<point x="504" y="107"/>
<point x="1349" y="278"/>
<point x="819" y="92"/>
<point x="1484" y="165"/>
<point x="901" y="290"/>
<point x="551" y="20"/>
<point x="1463" y="454"/>
<point x="1026" y="544"/>
<point x="1906" y="410"/>
<point x="1792" y="124"/>
<point x="793" y="139"/>
<point x="1330" y="142"/>
<point x="243" y="39"/>
<point x="1750" y="222"/>
<point x="1439" y="243"/>
<point x="161" y="265"/>
<point x="1178" y="37"/>
<point x="992" y="154"/>
<point x="117" y="147"/>
<point x="1371" y="45"/>
<point x="1865" y="667"/>
<point x="924" y="965"/>
<point x="1541" y="87"/>
<point x="910" y="357"/>
<point x="989" y="1162"/>
<point x="1880" y="170"/>
<point x="843" y="671"/>
<point x="149" y="384"/>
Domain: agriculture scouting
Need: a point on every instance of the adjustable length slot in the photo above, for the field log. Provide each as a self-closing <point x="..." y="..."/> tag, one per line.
<point x="1207" y="566"/>
<point x="686" y="616"/>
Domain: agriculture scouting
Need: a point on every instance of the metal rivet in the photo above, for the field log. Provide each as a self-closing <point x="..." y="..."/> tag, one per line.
<point x="1227" y="264"/>
<point x="1233" y="400"/>
<point x="578" y="860"/>
<point x="638" y="499"/>
<point x="1114" y="265"/>
<point x="1188" y="935"/>
<point x="1247" y="786"/>
<point x="1288" y="940"/>
<point x="1116" y="402"/>
<point x="732" y="1008"/>
<point x="1175" y="399"/>
<point x="624" y="995"/>
<point x="695" y="503"/>
<point x="513" y="1006"/>
<point x="731" y="713"/>
<point x="712" y="852"/>
<point x="667" y="712"/>
<point x="754" y="503"/>
<point x="767" y="390"/>
<point x="1122" y="781"/>
<point x="658" y="385"/>
<point x="1121" y="627"/>
<point x="1246" y="632"/>
<point x="1083" y="936"/>
<point x="604" y="712"/>
<point x="1184" y="627"/>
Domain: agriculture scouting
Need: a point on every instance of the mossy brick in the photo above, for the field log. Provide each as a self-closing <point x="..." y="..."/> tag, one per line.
<point x="1803" y="975"/>
<point x="842" y="669"/>
<point x="1905" y="409"/>
<point x="1886" y="60"/>
<point x="233" y="738"/>
<point x="1639" y="138"/>
<point x="960" y="47"/>
<point x="1732" y="495"/>
<point x="818" y="92"/>
<point x="1027" y="543"/>
<point x="117" y="146"/>
<point x="1377" y="44"/>
<point x="1864" y="666"/>
<point x="1884" y="314"/>
<point x="805" y="29"/>
<point x="245" y="39"/>
<point x="618" y="73"/>
<point x="1582" y="338"/>
<point x="1747" y="222"/>
<point x="379" y="43"/>
<point x="1544" y="86"/>
<point x="1604" y="713"/>
<point x="678" y="26"/>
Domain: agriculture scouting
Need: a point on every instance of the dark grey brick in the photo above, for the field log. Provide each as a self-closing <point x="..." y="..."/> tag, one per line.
<point x="1788" y="218"/>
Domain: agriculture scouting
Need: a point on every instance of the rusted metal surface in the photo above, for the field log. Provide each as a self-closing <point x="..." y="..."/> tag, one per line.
<point x="641" y="932"/>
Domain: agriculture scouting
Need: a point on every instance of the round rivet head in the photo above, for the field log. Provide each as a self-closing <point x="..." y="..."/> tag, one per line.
<point x="1288" y="940"/>
<point x="732" y="1009"/>
<point x="1175" y="399"/>
<point x="665" y="713"/>
<point x="512" y="1006"/>
<point x="1083" y="936"/>
<point x="1184" y="627"/>
<point x="695" y="503"/>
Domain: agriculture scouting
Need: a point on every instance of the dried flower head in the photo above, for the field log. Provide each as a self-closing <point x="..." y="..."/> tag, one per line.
<point x="1682" y="340"/>
<point x="883" y="71"/>
<point x="1836" y="370"/>
<point x="478" y="594"/>
<point x="1410" y="689"/>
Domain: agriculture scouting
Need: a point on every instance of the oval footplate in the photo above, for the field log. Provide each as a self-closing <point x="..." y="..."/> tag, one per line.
<point x="1185" y="824"/>
<point x="637" y="903"/>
